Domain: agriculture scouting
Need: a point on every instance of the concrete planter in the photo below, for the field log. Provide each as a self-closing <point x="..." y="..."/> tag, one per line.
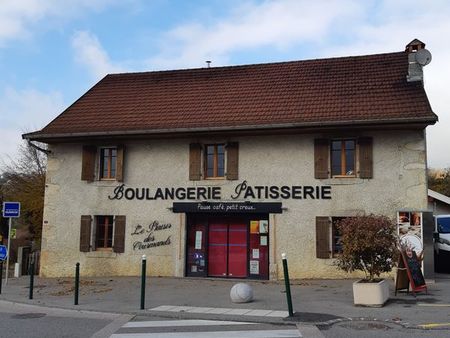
<point x="370" y="294"/>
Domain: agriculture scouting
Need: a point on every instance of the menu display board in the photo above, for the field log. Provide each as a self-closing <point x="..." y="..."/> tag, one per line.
<point x="410" y="230"/>
<point x="410" y="266"/>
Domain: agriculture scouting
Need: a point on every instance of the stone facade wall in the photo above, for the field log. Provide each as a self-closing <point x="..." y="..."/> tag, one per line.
<point x="399" y="182"/>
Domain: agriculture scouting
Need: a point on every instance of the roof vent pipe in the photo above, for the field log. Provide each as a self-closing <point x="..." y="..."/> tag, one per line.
<point x="208" y="64"/>
<point x="417" y="58"/>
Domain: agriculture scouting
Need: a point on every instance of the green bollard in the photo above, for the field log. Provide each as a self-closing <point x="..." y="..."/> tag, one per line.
<point x="143" y="276"/>
<point x="31" y="278"/>
<point x="77" y="282"/>
<point x="288" y="285"/>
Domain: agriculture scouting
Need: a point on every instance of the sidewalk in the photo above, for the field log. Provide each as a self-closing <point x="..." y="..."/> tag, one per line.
<point x="314" y="301"/>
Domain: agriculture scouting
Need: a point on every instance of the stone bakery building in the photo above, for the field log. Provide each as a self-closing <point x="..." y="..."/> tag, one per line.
<point x="214" y="172"/>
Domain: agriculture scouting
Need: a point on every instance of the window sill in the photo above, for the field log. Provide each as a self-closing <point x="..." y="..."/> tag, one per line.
<point x="101" y="254"/>
<point x="343" y="180"/>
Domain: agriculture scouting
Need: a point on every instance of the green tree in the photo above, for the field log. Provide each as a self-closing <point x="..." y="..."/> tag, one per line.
<point x="23" y="180"/>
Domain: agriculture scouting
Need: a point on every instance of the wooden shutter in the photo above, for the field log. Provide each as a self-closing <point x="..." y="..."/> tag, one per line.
<point x="365" y="157"/>
<point x="323" y="237"/>
<point x="195" y="161"/>
<point x="88" y="163"/>
<point x="119" y="234"/>
<point x="85" y="233"/>
<point x="321" y="154"/>
<point x="119" y="165"/>
<point x="232" y="161"/>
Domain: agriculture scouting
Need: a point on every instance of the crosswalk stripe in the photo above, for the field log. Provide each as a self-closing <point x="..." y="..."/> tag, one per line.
<point x="227" y="311"/>
<point x="187" y="322"/>
<point x="215" y="334"/>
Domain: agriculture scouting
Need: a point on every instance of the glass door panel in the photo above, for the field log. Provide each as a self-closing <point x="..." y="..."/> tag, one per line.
<point x="196" y="250"/>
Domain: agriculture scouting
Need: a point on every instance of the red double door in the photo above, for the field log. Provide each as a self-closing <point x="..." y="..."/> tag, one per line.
<point x="227" y="249"/>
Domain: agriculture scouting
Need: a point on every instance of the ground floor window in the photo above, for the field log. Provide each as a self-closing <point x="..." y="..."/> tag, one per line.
<point x="104" y="232"/>
<point x="328" y="237"/>
<point x="228" y="246"/>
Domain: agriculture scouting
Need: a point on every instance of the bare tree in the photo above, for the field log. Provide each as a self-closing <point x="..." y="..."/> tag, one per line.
<point x="23" y="180"/>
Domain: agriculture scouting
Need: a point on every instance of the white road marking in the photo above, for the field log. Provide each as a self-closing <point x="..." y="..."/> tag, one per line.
<point x="215" y="334"/>
<point x="187" y="322"/>
<point x="228" y="311"/>
<point x="161" y="329"/>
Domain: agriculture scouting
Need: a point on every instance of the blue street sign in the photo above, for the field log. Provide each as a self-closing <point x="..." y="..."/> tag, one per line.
<point x="3" y="252"/>
<point x="11" y="209"/>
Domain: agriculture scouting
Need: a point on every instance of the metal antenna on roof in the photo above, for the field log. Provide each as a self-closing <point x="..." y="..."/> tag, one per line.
<point x="208" y="64"/>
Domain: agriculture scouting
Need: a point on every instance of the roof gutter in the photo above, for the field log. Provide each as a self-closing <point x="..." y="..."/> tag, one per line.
<point x="39" y="136"/>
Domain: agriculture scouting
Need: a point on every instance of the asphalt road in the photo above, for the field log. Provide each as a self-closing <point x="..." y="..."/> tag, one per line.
<point x="22" y="320"/>
<point x="371" y="329"/>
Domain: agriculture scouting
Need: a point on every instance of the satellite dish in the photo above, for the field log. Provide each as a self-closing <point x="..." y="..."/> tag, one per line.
<point x="423" y="57"/>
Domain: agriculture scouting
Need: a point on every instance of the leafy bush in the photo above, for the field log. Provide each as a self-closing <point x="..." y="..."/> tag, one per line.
<point x="369" y="244"/>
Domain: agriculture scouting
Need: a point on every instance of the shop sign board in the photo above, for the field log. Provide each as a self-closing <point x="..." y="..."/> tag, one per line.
<point x="228" y="207"/>
<point x="242" y="191"/>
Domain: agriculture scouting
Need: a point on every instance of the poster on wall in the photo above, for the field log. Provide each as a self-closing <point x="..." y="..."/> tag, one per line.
<point x="263" y="226"/>
<point x="254" y="227"/>
<point x="254" y="267"/>
<point x="198" y="240"/>
<point x="263" y="241"/>
<point x="409" y="226"/>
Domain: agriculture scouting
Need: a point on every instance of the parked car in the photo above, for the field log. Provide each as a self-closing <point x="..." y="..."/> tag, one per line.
<point x="442" y="243"/>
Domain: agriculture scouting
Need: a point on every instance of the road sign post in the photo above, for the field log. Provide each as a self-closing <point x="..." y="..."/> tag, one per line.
<point x="3" y="255"/>
<point x="10" y="210"/>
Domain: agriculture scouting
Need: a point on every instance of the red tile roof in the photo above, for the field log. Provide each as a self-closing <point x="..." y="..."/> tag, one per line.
<point x="345" y="90"/>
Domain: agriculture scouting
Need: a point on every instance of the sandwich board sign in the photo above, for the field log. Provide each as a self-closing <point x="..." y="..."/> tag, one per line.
<point x="11" y="209"/>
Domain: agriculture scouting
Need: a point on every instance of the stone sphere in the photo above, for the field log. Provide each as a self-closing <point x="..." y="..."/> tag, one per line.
<point x="241" y="293"/>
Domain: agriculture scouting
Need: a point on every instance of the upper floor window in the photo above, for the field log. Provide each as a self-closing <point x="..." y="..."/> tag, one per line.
<point x="214" y="161"/>
<point x="108" y="161"/>
<point x="207" y="161"/>
<point x="102" y="163"/>
<point x="343" y="157"/>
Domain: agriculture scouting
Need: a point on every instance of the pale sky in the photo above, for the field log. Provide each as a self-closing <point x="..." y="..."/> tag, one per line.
<point x="53" y="51"/>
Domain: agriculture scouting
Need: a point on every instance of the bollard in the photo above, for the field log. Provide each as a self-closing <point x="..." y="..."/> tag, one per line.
<point x="288" y="285"/>
<point x="31" y="277"/>
<point x="77" y="282"/>
<point x="144" y="267"/>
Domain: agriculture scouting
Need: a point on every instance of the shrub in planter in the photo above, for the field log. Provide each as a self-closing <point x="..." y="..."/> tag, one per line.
<point x="369" y="244"/>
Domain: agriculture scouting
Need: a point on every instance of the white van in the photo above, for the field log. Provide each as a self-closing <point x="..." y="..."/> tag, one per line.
<point x="442" y="243"/>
